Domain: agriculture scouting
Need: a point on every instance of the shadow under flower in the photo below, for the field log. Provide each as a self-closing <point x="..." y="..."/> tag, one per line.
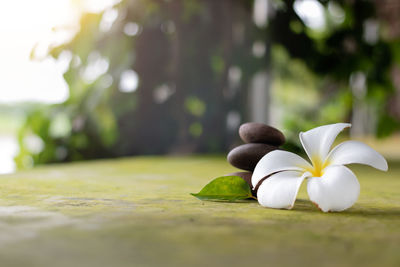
<point x="304" y="205"/>
<point x="365" y="211"/>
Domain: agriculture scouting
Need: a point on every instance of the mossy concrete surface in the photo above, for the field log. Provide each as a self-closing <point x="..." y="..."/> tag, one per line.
<point x="138" y="212"/>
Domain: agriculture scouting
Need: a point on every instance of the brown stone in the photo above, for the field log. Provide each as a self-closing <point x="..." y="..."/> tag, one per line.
<point x="246" y="156"/>
<point x="253" y="132"/>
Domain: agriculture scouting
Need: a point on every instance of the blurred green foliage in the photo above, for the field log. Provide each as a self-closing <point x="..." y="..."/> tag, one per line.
<point x="154" y="77"/>
<point x="319" y="64"/>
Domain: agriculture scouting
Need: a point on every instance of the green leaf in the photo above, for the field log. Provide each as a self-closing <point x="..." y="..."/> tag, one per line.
<point x="226" y="188"/>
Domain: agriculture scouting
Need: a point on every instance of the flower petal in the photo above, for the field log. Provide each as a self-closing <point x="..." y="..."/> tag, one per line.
<point x="356" y="152"/>
<point x="318" y="141"/>
<point x="280" y="190"/>
<point x="336" y="190"/>
<point x="276" y="161"/>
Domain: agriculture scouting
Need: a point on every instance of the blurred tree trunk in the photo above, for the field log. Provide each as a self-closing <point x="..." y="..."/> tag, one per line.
<point x="200" y="64"/>
<point x="389" y="11"/>
<point x="215" y="120"/>
<point x="178" y="101"/>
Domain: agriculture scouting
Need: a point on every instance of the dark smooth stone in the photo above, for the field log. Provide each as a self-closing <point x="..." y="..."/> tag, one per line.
<point x="253" y="132"/>
<point x="247" y="177"/>
<point x="246" y="157"/>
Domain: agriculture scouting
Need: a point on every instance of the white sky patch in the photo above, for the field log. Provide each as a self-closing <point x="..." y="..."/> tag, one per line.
<point x="95" y="5"/>
<point x="25" y="24"/>
<point x="311" y="12"/>
<point x="9" y="149"/>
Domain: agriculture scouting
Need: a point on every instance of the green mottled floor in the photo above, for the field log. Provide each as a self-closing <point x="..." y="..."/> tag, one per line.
<point x="138" y="212"/>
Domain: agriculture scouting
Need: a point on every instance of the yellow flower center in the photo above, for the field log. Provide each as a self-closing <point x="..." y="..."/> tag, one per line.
<point x="317" y="168"/>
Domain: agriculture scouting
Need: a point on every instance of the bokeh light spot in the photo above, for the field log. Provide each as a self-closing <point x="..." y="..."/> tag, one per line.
<point x="129" y="81"/>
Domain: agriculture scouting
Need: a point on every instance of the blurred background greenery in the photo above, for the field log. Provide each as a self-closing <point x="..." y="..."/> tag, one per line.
<point x="180" y="76"/>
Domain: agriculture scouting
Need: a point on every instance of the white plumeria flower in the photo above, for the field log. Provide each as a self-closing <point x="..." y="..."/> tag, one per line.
<point x="331" y="185"/>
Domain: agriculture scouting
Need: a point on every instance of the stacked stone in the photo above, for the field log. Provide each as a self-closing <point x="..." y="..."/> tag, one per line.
<point x="260" y="139"/>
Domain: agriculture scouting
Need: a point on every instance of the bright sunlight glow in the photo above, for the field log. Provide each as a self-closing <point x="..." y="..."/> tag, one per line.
<point x="25" y="24"/>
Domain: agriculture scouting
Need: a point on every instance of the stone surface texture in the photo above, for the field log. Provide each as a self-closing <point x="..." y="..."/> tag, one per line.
<point x="138" y="212"/>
